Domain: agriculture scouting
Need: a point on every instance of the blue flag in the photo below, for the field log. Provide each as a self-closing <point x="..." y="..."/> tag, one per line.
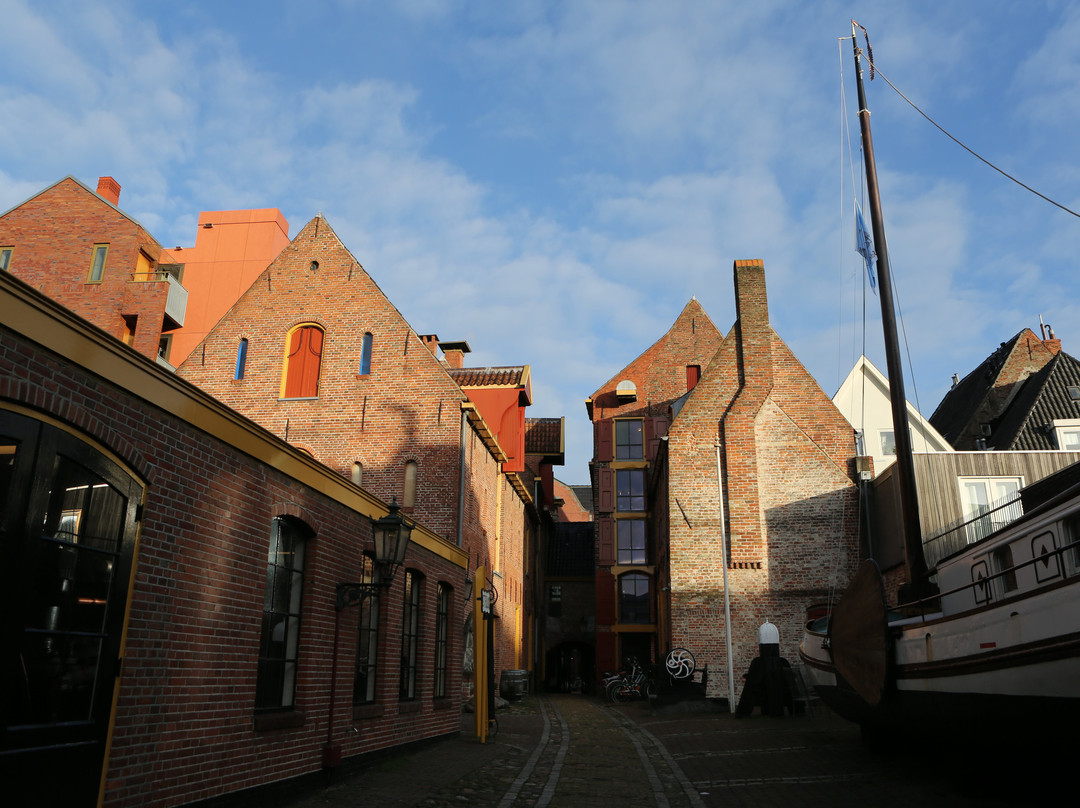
<point x="864" y="246"/>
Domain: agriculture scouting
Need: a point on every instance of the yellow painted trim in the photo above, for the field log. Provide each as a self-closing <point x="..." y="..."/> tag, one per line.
<point x="10" y="250"/>
<point x="29" y="313"/>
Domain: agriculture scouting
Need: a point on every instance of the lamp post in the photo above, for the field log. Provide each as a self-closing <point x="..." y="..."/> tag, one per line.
<point x="391" y="534"/>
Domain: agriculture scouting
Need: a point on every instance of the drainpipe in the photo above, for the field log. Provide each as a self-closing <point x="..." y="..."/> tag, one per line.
<point x="727" y="594"/>
<point x="461" y="484"/>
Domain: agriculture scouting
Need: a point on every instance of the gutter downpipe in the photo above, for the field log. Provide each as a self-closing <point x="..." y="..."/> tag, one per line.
<point x="727" y="595"/>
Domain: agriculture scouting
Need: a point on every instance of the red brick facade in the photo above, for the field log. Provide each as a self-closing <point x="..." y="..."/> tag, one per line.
<point x="185" y="726"/>
<point x="54" y="235"/>
<point x="785" y="461"/>
<point x="405" y="409"/>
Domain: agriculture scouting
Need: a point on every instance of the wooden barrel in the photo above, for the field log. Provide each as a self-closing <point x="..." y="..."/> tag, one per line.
<point x="514" y="685"/>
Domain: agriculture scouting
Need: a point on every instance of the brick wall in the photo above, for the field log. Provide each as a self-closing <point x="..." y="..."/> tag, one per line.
<point x="184" y="726"/>
<point x="789" y="507"/>
<point x="54" y="234"/>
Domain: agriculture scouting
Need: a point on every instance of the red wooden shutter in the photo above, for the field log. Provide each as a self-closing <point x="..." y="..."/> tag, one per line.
<point x="606" y="480"/>
<point x="305" y="356"/>
<point x="605" y="544"/>
<point x="693" y="375"/>
<point x="605" y="599"/>
<point x="655" y="429"/>
<point x="604" y="434"/>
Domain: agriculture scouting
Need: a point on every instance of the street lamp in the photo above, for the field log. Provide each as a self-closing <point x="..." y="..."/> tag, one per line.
<point x="391" y="534"/>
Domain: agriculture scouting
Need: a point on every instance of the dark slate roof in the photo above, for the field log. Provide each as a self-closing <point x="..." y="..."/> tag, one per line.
<point x="570" y="552"/>
<point x="490" y="377"/>
<point x="584" y="495"/>
<point x="543" y="436"/>
<point x="955" y="410"/>
<point x="1043" y="399"/>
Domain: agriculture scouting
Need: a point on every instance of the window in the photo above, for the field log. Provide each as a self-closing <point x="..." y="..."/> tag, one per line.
<point x="5" y="257"/>
<point x="989" y="503"/>
<point x="358" y="473"/>
<point x="630" y="490"/>
<point x="410" y="635"/>
<point x="442" y="629"/>
<point x="631" y="541"/>
<point x="1067" y="434"/>
<point x="634" y="605"/>
<point x="131" y="322"/>
<point x="365" y="355"/>
<point x="629" y="444"/>
<point x="97" y="263"/>
<point x="1004" y="569"/>
<point x="275" y="687"/>
<point x="367" y="645"/>
<point x="164" y="347"/>
<point x="303" y="362"/>
<point x="241" y="358"/>
<point x="408" y="496"/>
<point x="888" y="442"/>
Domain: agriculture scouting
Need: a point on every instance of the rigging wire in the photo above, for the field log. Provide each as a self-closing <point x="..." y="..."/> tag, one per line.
<point x="969" y="150"/>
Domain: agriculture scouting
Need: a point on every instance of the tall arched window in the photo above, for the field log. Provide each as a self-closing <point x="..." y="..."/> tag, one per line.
<point x="303" y="361"/>
<point x="241" y="358"/>
<point x="408" y="496"/>
<point x="365" y="355"/>
<point x="279" y="646"/>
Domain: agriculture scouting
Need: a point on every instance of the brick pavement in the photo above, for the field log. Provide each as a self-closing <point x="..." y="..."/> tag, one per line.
<point x="560" y="751"/>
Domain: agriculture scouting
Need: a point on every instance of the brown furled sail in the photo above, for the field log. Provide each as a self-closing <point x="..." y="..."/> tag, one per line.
<point x="858" y="634"/>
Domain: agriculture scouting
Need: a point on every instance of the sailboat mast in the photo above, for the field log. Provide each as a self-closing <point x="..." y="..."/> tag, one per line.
<point x="905" y="465"/>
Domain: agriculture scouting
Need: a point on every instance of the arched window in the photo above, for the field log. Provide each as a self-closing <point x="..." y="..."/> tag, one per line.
<point x="303" y="362"/>
<point x="635" y="602"/>
<point x="275" y="685"/>
<point x="365" y="355"/>
<point x="358" y="473"/>
<point x="408" y="496"/>
<point x="241" y="358"/>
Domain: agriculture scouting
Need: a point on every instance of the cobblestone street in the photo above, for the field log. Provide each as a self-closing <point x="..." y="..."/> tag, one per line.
<point x="569" y="751"/>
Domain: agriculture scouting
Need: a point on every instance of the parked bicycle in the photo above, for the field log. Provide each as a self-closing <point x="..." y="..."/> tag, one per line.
<point x="637" y="684"/>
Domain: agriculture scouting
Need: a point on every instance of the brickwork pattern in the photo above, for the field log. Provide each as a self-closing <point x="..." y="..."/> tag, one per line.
<point x="184" y="722"/>
<point x="54" y="234"/>
<point x="407" y="408"/>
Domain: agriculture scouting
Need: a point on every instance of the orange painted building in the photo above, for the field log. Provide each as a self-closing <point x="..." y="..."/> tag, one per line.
<point x="232" y="248"/>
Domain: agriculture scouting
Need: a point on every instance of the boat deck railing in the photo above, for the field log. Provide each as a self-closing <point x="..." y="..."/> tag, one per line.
<point x="1056" y="564"/>
<point x="959" y="534"/>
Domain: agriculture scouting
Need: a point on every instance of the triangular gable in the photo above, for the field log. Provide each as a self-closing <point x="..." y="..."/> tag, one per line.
<point x="88" y="190"/>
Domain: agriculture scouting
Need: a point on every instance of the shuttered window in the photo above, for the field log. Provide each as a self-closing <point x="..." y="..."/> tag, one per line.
<point x="303" y="363"/>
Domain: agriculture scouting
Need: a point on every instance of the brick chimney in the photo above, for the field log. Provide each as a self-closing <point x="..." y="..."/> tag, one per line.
<point x="1049" y="341"/>
<point x="109" y="188"/>
<point x="431" y="341"/>
<point x="454" y="353"/>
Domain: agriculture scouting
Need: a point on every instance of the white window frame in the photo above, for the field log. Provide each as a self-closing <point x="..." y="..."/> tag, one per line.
<point x="1063" y="428"/>
<point x="995" y="491"/>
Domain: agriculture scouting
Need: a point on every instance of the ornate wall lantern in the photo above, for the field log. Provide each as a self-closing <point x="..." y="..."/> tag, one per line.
<point x="392" y="534"/>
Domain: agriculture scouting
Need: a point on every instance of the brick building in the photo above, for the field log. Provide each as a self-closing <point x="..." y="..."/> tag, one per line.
<point x="150" y="523"/>
<point x="631" y="413"/>
<point x="76" y="246"/>
<point x="314" y="352"/>
<point x="753" y="423"/>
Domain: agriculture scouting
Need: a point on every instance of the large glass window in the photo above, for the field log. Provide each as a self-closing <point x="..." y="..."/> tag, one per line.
<point x="630" y="490"/>
<point x="634" y="600"/>
<point x="367" y="645"/>
<point x="989" y="503"/>
<point x="629" y="442"/>
<point x="410" y="635"/>
<point x="631" y="541"/>
<point x="280" y="643"/>
<point x="303" y="363"/>
<point x="442" y="629"/>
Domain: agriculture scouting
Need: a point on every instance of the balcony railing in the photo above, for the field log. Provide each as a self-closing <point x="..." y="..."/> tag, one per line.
<point x="175" y="301"/>
<point x="961" y="533"/>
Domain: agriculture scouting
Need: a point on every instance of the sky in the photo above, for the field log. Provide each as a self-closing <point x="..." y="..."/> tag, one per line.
<point x="553" y="181"/>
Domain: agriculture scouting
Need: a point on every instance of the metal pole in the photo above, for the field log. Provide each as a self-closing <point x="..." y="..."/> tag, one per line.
<point x="727" y="595"/>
